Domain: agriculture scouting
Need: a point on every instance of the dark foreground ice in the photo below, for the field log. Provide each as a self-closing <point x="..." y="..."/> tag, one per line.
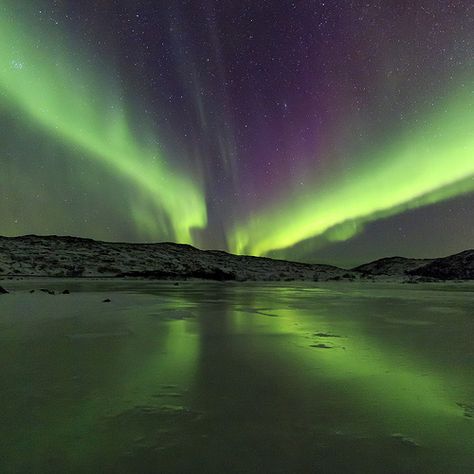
<point x="236" y="378"/>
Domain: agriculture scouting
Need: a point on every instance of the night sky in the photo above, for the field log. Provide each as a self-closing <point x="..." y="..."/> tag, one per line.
<point x="330" y="131"/>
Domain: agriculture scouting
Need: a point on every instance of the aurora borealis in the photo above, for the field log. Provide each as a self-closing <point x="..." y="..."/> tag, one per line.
<point x="64" y="103"/>
<point x="293" y="129"/>
<point x="440" y="165"/>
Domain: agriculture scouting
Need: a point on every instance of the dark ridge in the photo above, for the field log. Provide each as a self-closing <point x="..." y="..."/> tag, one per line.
<point x="391" y="266"/>
<point x="72" y="239"/>
<point x="455" y="267"/>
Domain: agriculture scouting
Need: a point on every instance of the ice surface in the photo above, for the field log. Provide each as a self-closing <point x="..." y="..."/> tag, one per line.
<point x="343" y="377"/>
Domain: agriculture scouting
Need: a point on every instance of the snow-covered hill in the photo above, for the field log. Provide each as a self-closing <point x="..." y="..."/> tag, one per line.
<point x="54" y="256"/>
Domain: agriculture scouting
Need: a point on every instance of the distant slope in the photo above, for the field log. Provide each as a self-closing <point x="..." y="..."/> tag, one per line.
<point x="54" y="256"/>
<point x="392" y="266"/>
<point x="454" y="267"/>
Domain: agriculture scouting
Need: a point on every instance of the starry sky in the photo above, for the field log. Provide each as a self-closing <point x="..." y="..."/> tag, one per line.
<point x="323" y="131"/>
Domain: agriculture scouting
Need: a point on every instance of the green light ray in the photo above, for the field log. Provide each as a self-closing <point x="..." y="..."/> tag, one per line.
<point x="429" y="164"/>
<point x="46" y="83"/>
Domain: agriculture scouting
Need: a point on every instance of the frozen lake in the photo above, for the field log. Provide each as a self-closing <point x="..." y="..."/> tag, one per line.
<point x="244" y="378"/>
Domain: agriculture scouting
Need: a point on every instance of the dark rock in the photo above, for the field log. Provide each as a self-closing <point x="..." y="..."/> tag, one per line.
<point x="405" y="440"/>
<point x="468" y="409"/>
<point x="66" y="292"/>
<point x="321" y="346"/>
<point x="107" y="300"/>
<point x="32" y="291"/>
<point x="49" y="292"/>
<point x="324" y="334"/>
<point x="3" y="291"/>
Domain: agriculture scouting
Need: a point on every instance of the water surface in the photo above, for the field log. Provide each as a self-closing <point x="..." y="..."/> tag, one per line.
<point x="227" y="377"/>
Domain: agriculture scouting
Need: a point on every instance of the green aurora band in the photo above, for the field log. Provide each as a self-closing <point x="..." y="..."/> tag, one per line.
<point x="426" y="165"/>
<point x="45" y="82"/>
<point x="72" y="104"/>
